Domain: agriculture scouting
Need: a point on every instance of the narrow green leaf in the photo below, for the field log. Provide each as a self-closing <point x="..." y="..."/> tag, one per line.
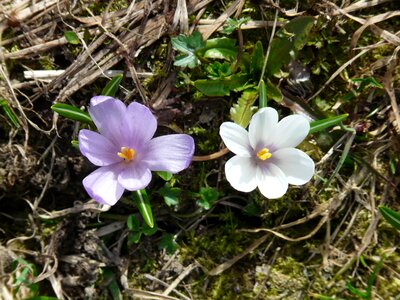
<point x="72" y="37"/>
<point x="112" y="86"/>
<point x="372" y="277"/>
<point x="319" y="125"/>
<point x="391" y="216"/>
<point x="355" y="291"/>
<point x="72" y="113"/>
<point x="143" y="203"/>
<point x="262" y="98"/>
<point x="9" y="113"/>
<point x="113" y="287"/>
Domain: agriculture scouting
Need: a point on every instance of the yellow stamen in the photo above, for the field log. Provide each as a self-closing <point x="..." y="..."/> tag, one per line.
<point x="126" y="153"/>
<point x="264" y="154"/>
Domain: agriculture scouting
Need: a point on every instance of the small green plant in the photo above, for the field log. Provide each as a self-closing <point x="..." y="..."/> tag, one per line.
<point x="222" y="67"/>
<point x="367" y="293"/>
<point x="136" y="230"/>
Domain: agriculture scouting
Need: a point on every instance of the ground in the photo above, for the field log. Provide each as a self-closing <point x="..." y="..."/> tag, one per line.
<point x="323" y="240"/>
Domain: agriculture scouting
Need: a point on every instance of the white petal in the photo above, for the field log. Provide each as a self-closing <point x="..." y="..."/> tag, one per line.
<point x="290" y="132"/>
<point x="297" y="166"/>
<point x="236" y="138"/>
<point x="271" y="181"/>
<point x="102" y="184"/>
<point x="241" y="173"/>
<point x="262" y="126"/>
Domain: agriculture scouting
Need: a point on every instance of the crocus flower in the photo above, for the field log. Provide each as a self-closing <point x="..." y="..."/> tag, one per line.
<point x="265" y="155"/>
<point x="125" y="149"/>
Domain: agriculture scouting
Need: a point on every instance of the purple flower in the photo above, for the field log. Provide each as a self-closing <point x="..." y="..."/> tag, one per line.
<point x="125" y="149"/>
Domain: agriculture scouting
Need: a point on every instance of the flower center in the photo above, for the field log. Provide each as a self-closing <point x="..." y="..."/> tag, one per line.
<point x="264" y="154"/>
<point x="126" y="153"/>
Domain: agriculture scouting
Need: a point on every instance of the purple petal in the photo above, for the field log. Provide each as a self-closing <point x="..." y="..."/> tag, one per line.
<point x="99" y="150"/>
<point x="171" y="153"/>
<point x="141" y="124"/>
<point x="99" y="99"/>
<point x="102" y="184"/>
<point x="109" y="117"/>
<point x="134" y="176"/>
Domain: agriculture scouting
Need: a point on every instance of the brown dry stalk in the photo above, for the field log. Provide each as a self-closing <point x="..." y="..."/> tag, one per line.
<point x="212" y="156"/>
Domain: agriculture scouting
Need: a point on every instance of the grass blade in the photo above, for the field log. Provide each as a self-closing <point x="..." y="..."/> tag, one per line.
<point x="391" y="216"/>
<point x="325" y="123"/>
<point x="9" y="113"/>
<point x="262" y="101"/>
<point x="112" y="87"/>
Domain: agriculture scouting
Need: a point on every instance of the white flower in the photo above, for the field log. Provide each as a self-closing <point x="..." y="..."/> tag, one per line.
<point x="265" y="156"/>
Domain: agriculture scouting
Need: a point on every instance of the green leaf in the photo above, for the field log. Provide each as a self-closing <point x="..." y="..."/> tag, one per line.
<point x="184" y="61"/>
<point x="262" y="95"/>
<point x="9" y="112"/>
<point x="355" y="291"/>
<point x="207" y="197"/>
<point x="148" y="231"/>
<point x="319" y="125"/>
<point x="188" y="46"/>
<point x="220" y="48"/>
<point x="133" y="223"/>
<point x="288" y="41"/>
<point x="112" y="86"/>
<point x="167" y="176"/>
<point x="75" y="144"/>
<point x="170" y="194"/>
<point x="221" y="87"/>
<point x="273" y="92"/>
<point x="72" y="113"/>
<point x="168" y="243"/>
<point x="109" y="277"/>
<point x="391" y="216"/>
<point x="72" y="37"/>
<point x="242" y="112"/>
<point x="143" y="203"/>
<point x="233" y="24"/>
<point x="257" y="60"/>
<point x="134" y="237"/>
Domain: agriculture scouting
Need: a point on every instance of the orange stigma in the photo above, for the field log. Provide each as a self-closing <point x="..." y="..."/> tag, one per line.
<point x="126" y="153"/>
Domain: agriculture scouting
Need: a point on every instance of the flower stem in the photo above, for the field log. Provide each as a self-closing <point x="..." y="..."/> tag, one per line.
<point x="212" y="156"/>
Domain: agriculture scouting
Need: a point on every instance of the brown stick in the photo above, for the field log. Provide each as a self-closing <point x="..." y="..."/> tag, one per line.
<point x="212" y="156"/>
